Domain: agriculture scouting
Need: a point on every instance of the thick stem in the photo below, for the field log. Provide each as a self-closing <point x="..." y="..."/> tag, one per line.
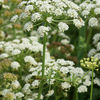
<point x="76" y="94"/>
<point x="43" y="66"/>
<point x="91" y="93"/>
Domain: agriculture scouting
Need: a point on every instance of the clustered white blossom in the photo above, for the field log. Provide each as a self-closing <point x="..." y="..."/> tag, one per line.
<point x="90" y="9"/>
<point x="22" y="77"/>
<point x="96" y="50"/>
<point x="42" y="13"/>
<point x="35" y="17"/>
<point x="78" y="23"/>
<point x="14" y="18"/>
<point x="15" y="65"/>
<point x="29" y="67"/>
<point x="62" y="26"/>
<point x="9" y="17"/>
<point x="28" y="26"/>
<point x="93" y="22"/>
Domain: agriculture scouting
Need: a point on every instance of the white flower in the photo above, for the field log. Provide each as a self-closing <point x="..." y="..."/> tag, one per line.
<point x="26" y="88"/>
<point x="65" y="41"/>
<point x="90" y="6"/>
<point x="71" y="70"/>
<point x="78" y="23"/>
<point x="43" y="29"/>
<point x="11" y="95"/>
<point x="97" y="55"/>
<point x="15" y="84"/>
<point x="35" y="83"/>
<point x="97" y="81"/>
<point x="4" y="55"/>
<point x="16" y="41"/>
<point x="96" y="38"/>
<point x="14" y="18"/>
<point x="82" y="89"/>
<point x="50" y="93"/>
<point x="59" y="3"/>
<point x="98" y="3"/>
<point x="28" y="26"/>
<point x="98" y="46"/>
<point x="19" y="95"/>
<point x="72" y="5"/>
<point x="30" y="60"/>
<point x="91" y="52"/>
<point x="64" y="62"/>
<point x="61" y="61"/>
<point x="35" y="95"/>
<point x="29" y="8"/>
<point x="93" y="22"/>
<point x="27" y="78"/>
<point x="16" y="52"/>
<point x="46" y="7"/>
<point x="85" y="13"/>
<point x="64" y="70"/>
<point x="29" y="99"/>
<point x="8" y="48"/>
<point x="72" y="13"/>
<point x="15" y="65"/>
<point x="35" y="73"/>
<point x="31" y="1"/>
<point x="87" y="82"/>
<point x="62" y="26"/>
<point x="79" y="71"/>
<point x="58" y="12"/>
<point x="51" y="81"/>
<point x="23" y="15"/>
<point x="97" y="11"/>
<point x="65" y="85"/>
<point x="5" y="91"/>
<point x="49" y="19"/>
<point x="83" y="5"/>
<point x="35" y="17"/>
<point x="25" y="40"/>
<point x="22" y="3"/>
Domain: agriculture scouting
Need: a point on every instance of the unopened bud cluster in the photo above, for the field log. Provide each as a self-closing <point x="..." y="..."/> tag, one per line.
<point x="90" y="63"/>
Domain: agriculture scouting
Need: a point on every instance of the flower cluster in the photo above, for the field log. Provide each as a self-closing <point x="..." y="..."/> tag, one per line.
<point x="90" y="10"/>
<point x="96" y="50"/>
<point x="50" y="14"/>
<point x="90" y="63"/>
<point x="41" y="42"/>
<point x="9" y="27"/>
<point x="21" y="76"/>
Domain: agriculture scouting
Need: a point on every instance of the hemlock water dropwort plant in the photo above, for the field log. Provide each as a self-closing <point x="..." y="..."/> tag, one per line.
<point x="41" y="44"/>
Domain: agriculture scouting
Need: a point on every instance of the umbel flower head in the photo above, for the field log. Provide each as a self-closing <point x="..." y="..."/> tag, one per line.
<point x="90" y="63"/>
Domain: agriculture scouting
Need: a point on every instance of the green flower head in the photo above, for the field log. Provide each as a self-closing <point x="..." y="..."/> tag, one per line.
<point x="90" y="63"/>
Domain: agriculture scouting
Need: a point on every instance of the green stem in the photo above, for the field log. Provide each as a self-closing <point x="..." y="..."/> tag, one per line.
<point x="76" y="94"/>
<point x="91" y="93"/>
<point x="43" y="66"/>
<point x="65" y="21"/>
<point x="75" y="97"/>
<point x="56" y="98"/>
